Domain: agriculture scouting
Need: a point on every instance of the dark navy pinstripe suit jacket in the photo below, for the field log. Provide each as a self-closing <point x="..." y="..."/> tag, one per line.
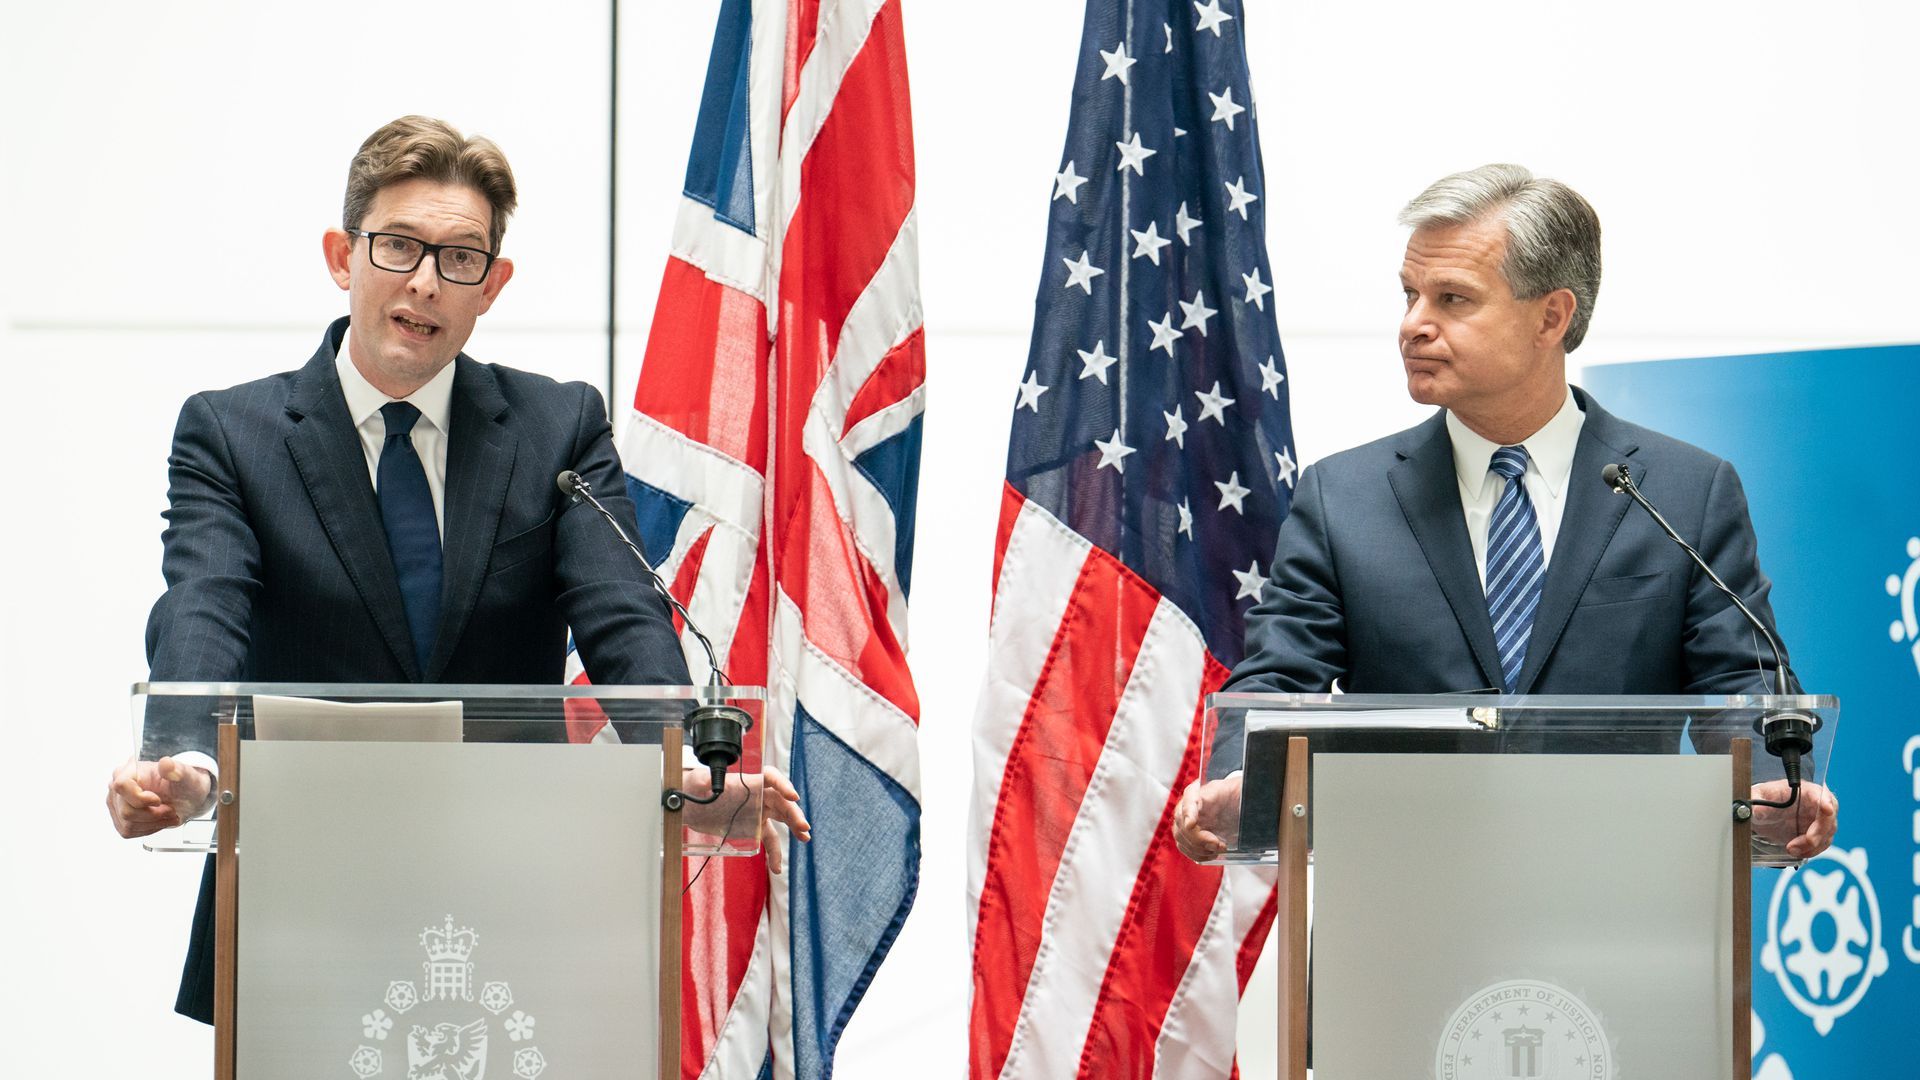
<point x="277" y="567"/>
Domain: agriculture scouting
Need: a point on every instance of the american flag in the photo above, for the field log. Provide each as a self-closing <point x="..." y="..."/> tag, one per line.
<point x="1151" y="463"/>
<point x="773" y="455"/>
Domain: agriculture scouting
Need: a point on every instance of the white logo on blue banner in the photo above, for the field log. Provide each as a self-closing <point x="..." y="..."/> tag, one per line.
<point x="1823" y="936"/>
<point x="1901" y="587"/>
<point x="1831" y="493"/>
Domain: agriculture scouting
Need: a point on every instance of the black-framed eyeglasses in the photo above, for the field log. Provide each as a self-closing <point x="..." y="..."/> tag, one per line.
<point x="402" y="254"/>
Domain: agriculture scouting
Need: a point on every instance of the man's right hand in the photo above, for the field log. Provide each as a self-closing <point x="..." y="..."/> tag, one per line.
<point x="1207" y="819"/>
<point x="146" y="796"/>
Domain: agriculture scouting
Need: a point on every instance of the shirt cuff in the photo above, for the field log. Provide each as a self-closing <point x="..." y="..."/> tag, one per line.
<point x="206" y="764"/>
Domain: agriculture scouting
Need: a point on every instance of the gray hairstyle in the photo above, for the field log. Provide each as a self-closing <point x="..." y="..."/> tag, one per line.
<point x="1553" y="235"/>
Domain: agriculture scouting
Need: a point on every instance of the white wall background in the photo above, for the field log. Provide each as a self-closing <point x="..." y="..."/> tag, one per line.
<point x="1754" y="163"/>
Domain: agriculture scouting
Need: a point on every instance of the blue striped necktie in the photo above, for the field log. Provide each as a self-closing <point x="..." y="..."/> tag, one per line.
<point x="1516" y="564"/>
<point x="413" y="531"/>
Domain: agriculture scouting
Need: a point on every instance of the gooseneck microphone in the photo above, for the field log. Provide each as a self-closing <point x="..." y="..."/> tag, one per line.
<point x="715" y="728"/>
<point x="1789" y="732"/>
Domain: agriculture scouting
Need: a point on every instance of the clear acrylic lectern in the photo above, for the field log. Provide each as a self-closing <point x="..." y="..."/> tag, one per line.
<point x="416" y="880"/>
<point x="1507" y="886"/>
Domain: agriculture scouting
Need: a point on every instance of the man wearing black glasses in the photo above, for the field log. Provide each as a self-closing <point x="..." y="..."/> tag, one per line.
<point x="388" y="512"/>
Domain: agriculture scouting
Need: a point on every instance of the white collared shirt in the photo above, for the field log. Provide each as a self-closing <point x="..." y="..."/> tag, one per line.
<point x="434" y="400"/>
<point x="1549" y="466"/>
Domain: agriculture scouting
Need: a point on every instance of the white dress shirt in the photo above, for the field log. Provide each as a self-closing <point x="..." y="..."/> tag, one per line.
<point x="1549" y="466"/>
<point x="434" y="400"/>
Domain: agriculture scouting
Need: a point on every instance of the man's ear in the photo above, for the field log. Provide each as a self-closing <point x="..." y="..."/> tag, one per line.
<point x="1556" y="315"/>
<point x="497" y="277"/>
<point x="337" y="246"/>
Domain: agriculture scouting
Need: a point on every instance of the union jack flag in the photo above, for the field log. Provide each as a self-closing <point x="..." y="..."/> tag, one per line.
<point x="1151" y="463"/>
<point x="773" y="456"/>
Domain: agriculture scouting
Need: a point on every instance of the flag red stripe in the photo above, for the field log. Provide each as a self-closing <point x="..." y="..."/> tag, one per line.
<point x="584" y="716"/>
<point x="688" y="574"/>
<point x="856" y="187"/>
<point x="1172" y="898"/>
<point x="706" y="364"/>
<point x="803" y="28"/>
<point x="828" y="578"/>
<point x="720" y="916"/>
<point x="899" y="374"/>
<point x="1052" y="758"/>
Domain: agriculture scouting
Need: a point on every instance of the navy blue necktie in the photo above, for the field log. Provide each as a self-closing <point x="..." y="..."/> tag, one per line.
<point x="413" y="532"/>
<point x="1516" y="564"/>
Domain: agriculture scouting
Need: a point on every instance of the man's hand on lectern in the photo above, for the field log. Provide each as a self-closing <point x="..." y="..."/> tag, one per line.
<point x="779" y="803"/>
<point x="144" y="797"/>
<point x="1207" y="818"/>
<point x="1805" y="828"/>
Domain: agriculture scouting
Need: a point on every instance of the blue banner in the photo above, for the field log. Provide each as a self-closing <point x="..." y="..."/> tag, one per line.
<point x="1825" y="444"/>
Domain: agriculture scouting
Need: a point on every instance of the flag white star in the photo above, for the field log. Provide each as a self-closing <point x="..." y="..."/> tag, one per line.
<point x="1030" y="392"/>
<point x="1223" y="106"/>
<point x="1238" y="197"/>
<point x="1081" y="272"/>
<point x="1067" y="182"/>
<point x="1232" y="494"/>
<point x="1164" y="335"/>
<point x="1186" y="519"/>
<point x="1113" y="452"/>
<point x="1168" y="27"/>
<point x="1210" y="17"/>
<point x="1117" y="63"/>
<point x="1148" y="242"/>
<point x="1270" y="379"/>
<point x="1184" y="223"/>
<point x="1197" y="312"/>
<point x="1213" y="404"/>
<point x="1257" y="290"/>
<point x="1250" y="581"/>
<point x="1288" y="470"/>
<point x="1176" y="427"/>
<point x="1097" y="362"/>
<point x="1179" y="133"/>
<point x="1133" y="155"/>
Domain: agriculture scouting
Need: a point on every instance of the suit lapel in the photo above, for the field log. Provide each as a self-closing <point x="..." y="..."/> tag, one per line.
<point x="480" y="454"/>
<point x="326" y="451"/>
<point x="1592" y="515"/>
<point x="1429" y="497"/>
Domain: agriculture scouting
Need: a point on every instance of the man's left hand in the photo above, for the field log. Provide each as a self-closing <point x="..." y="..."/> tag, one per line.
<point x="779" y="804"/>
<point x="1805" y="828"/>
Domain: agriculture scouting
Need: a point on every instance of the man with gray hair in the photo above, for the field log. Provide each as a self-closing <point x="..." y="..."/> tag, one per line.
<point x="1481" y="551"/>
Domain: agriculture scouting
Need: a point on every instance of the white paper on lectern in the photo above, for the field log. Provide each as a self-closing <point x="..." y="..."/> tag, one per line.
<point x="313" y="720"/>
<point x="1460" y="719"/>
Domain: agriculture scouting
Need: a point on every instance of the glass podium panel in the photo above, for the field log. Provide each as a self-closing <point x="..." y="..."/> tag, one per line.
<point x="429" y="880"/>
<point x="1244" y="744"/>
<point x="182" y="720"/>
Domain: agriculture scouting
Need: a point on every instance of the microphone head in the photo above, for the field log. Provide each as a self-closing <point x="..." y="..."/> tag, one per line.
<point x="570" y="483"/>
<point x="1617" y="478"/>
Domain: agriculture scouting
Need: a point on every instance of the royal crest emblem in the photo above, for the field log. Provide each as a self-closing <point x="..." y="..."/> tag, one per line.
<point x="1523" y="1029"/>
<point x="448" y="1036"/>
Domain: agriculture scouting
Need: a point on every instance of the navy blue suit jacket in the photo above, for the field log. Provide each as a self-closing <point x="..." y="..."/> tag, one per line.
<point x="277" y="567"/>
<point x="1373" y="584"/>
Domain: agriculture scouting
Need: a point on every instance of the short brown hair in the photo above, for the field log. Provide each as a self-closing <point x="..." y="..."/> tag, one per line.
<point x="423" y="148"/>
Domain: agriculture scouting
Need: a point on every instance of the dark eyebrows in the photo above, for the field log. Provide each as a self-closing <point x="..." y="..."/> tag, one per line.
<point x="411" y="231"/>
